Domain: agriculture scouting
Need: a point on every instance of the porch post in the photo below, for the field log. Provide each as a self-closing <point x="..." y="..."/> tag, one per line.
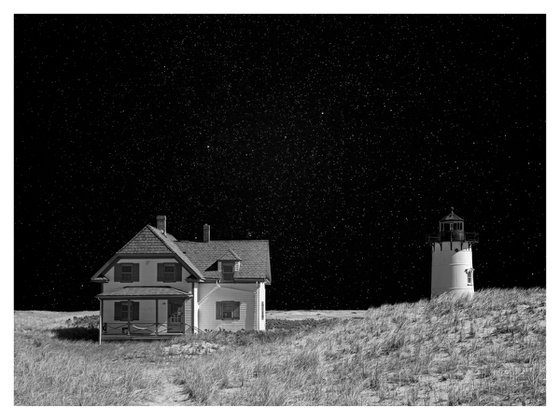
<point x="157" y="319"/>
<point x="130" y="311"/>
<point x="195" y="307"/>
<point x="184" y="316"/>
<point x="100" y="319"/>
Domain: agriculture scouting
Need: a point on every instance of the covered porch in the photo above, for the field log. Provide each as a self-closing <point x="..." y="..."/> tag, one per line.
<point x="144" y="313"/>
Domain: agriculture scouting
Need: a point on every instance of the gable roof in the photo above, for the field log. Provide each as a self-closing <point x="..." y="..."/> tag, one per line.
<point x="151" y="241"/>
<point x="230" y="255"/>
<point x="147" y="241"/>
<point x="172" y="245"/>
<point x="254" y="254"/>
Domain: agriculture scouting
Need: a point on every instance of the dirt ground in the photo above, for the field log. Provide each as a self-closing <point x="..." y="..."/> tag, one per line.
<point x="311" y="314"/>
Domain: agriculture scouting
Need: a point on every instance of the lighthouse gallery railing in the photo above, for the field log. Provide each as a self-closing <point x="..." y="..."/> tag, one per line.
<point x="453" y="236"/>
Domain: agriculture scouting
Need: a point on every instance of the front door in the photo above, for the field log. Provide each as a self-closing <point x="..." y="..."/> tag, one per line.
<point x="175" y="315"/>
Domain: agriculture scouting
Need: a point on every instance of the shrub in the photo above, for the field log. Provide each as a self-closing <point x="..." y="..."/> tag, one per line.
<point x="91" y="321"/>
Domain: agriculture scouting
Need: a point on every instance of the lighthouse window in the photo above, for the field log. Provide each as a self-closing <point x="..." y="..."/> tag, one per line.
<point x="469" y="276"/>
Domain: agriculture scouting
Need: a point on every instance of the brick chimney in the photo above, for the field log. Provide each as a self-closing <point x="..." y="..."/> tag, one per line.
<point x="206" y="233"/>
<point x="162" y="223"/>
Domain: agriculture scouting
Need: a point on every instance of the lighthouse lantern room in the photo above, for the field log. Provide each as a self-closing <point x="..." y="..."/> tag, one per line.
<point x="452" y="267"/>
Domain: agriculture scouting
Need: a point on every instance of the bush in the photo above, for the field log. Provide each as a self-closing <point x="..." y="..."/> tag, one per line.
<point x="91" y="321"/>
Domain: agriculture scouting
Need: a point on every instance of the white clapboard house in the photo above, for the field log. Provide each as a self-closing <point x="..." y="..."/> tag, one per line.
<point x="156" y="286"/>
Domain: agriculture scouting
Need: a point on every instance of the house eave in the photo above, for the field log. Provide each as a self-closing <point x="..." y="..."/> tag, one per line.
<point x="240" y="280"/>
<point x="145" y="292"/>
<point x="144" y="297"/>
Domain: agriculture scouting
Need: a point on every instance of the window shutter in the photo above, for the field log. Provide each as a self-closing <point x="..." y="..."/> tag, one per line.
<point x="236" y="306"/>
<point x="178" y="271"/>
<point x="218" y="310"/>
<point x="160" y="272"/>
<point x="135" y="311"/>
<point x="118" y="311"/>
<point x="118" y="272"/>
<point x="136" y="272"/>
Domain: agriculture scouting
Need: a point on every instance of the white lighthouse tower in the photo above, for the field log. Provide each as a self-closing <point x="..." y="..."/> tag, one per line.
<point x="452" y="267"/>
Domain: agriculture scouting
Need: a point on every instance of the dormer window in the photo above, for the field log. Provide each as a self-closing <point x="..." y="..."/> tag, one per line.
<point x="228" y="268"/>
<point x="228" y="264"/>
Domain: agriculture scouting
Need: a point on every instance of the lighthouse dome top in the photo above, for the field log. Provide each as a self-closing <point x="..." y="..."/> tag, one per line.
<point x="451" y="217"/>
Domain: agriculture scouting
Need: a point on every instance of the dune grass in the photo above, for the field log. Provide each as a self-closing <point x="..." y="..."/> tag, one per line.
<point x="65" y="371"/>
<point x="486" y="351"/>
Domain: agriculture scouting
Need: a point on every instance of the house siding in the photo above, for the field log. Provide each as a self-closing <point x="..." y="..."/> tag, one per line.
<point x="147" y="275"/>
<point x="188" y="315"/>
<point x="210" y="293"/>
<point x="147" y="307"/>
<point x="262" y="299"/>
<point x="147" y="314"/>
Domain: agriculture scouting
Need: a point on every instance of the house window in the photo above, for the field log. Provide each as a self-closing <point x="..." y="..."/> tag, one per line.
<point x="169" y="272"/>
<point x="127" y="272"/>
<point x="227" y="310"/>
<point x="262" y="311"/>
<point x="127" y="311"/>
<point x="227" y="270"/>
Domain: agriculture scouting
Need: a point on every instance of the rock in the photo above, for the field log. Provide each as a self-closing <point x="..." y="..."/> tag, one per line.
<point x="191" y="349"/>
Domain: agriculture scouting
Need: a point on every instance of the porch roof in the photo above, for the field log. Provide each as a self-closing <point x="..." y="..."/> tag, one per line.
<point x="145" y="292"/>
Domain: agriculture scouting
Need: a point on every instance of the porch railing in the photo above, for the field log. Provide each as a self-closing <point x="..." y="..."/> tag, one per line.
<point x="140" y="328"/>
<point x="143" y="328"/>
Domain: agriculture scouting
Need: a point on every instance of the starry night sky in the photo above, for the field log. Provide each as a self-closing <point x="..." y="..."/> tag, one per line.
<point x="341" y="139"/>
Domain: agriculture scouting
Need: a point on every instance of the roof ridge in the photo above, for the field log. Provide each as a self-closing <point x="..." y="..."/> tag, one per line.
<point x="167" y="242"/>
<point x="232" y="253"/>
<point x="224" y="240"/>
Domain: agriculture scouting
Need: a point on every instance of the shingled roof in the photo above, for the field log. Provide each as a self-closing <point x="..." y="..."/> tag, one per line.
<point x="230" y="255"/>
<point x="200" y="259"/>
<point x="151" y="241"/>
<point x="172" y="245"/>
<point x="147" y="241"/>
<point x="253" y="254"/>
<point x="147" y="291"/>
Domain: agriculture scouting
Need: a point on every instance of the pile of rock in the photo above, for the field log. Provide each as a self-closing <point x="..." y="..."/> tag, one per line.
<point x="191" y="349"/>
